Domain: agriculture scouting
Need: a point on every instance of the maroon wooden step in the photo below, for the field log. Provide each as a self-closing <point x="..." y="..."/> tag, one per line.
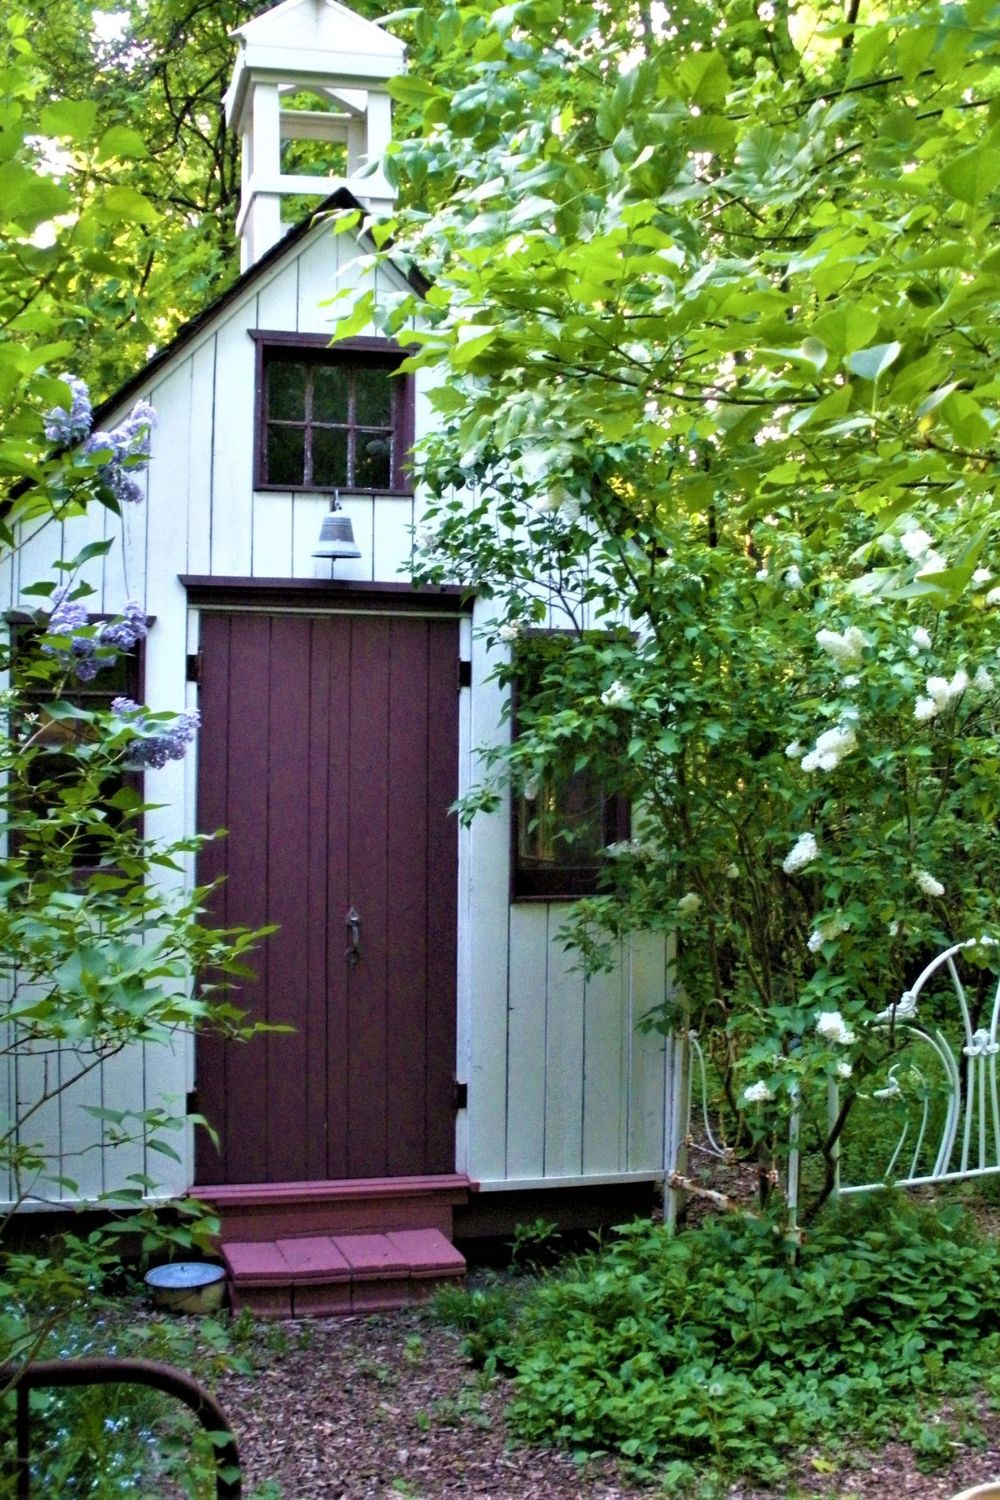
<point x="318" y="1275"/>
<point x="367" y="1205"/>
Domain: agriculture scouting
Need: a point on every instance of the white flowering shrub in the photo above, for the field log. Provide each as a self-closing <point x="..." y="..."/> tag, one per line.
<point x="810" y="834"/>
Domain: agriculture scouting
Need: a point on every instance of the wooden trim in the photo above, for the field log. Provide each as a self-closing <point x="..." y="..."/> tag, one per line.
<point x="452" y="1185"/>
<point x="207" y="592"/>
<point x="363" y="344"/>
<point x="582" y="1180"/>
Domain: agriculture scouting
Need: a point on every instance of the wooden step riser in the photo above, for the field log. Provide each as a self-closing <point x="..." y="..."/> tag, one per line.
<point x="365" y="1206"/>
<point x="300" y="1276"/>
<point x="338" y="1299"/>
<point x="275" y="1221"/>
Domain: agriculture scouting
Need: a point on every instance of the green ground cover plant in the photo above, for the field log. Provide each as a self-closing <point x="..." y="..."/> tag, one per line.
<point x="723" y="1350"/>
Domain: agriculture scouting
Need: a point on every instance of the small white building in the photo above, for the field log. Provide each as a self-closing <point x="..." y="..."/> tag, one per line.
<point x="443" y="1041"/>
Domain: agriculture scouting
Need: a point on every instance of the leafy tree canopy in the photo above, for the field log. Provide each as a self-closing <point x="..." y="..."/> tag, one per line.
<point x="765" y="246"/>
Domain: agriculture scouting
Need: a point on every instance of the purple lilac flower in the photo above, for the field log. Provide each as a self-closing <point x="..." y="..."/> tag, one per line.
<point x="135" y="618"/>
<point x="124" y="486"/>
<point x="65" y="427"/>
<point x="134" y="432"/>
<point x="83" y="659"/>
<point x="83" y="656"/>
<point x="66" y="613"/>
<point x="155" y="748"/>
<point x="104" y="442"/>
<point x="124" y="633"/>
<point x="65" y="619"/>
<point x="119" y="635"/>
<point x="127" y="444"/>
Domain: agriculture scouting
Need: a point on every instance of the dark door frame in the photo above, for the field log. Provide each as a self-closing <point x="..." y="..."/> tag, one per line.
<point x="238" y="596"/>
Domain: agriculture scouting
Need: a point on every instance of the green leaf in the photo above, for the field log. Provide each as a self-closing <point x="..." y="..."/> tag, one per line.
<point x="128" y="205"/>
<point x="123" y="143"/>
<point x="409" y="88"/>
<point x="703" y="78"/>
<point x="472" y="340"/>
<point x="91" y="550"/>
<point x="846" y="328"/>
<point x="934" y="400"/>
<point x="155" y="1144"/>
<point x="972" y="176"/>
<point x="870" y="363"/>
<point x="69" y="117"/>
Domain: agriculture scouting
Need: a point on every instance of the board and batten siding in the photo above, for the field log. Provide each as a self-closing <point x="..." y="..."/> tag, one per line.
<point x="562" y="1086"/>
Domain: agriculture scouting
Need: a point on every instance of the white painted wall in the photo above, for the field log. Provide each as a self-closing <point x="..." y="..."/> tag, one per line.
<point x="562" y="1086"/>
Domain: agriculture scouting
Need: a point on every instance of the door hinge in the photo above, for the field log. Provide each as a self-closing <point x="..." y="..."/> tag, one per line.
<point x="194" y="667"/>
<point x="461" y="1095"/>
<point x="463" y="676"/>
<point x="191" y="1102"/>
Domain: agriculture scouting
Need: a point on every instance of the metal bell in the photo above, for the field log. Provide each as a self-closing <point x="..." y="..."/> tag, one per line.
<point x="336" y="537"/>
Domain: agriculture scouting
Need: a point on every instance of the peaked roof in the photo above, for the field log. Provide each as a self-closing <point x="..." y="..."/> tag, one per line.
<point x="312" y="41"/>
<point x="325" y="25"/>
<point x="339" y="199"/>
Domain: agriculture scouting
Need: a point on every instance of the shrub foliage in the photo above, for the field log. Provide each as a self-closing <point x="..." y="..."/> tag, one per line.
<point x="715" y="1347"/>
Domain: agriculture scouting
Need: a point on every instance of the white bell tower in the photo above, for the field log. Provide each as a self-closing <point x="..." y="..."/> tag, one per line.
<point x="321" y="48"/>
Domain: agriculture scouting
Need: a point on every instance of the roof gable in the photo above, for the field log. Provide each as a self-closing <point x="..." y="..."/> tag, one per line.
<point x="341" y="200"/>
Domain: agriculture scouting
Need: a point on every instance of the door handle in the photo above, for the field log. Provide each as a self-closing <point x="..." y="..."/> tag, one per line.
<point x="353" y="951"/>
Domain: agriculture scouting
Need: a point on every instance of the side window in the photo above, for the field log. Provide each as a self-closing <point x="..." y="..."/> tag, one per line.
<point x="332" y="419"/>
<point x="52" y="773"/>
<point x="562" y="827"/>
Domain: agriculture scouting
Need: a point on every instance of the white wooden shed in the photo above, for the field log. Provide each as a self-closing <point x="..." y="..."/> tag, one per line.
<point x="455" y="1047"/>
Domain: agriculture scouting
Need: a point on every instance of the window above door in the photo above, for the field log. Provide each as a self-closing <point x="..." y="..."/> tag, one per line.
<point x="332" y="419"/>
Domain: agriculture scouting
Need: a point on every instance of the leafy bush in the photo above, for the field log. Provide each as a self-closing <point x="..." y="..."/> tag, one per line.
<point x="485" y="1317"/>
<point x="714" y="1346"/>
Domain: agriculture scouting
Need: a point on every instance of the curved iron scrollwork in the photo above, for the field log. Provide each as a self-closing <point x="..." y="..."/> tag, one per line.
<point x="105" y="1371"/>
<point x="968" y="1138"/>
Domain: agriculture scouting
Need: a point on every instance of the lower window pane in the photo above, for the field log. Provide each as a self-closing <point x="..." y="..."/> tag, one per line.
<point x="563" y="827"/>
<point x="373" y="460"/>
<point x="286" y="455"/>
<point x="329" y="456"/>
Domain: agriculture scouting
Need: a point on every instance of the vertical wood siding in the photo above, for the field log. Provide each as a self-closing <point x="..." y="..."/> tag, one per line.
<point x="560" y="1082"/>
<point x="583" y="1087"/>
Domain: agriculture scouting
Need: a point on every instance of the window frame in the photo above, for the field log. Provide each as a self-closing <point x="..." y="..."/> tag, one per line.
<point x="21" y="622"/>
<point x="567" y="882"/>
<point x="362" y="353"/>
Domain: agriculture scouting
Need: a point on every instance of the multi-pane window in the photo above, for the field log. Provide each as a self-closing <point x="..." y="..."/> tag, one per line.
<point x="562" y="829"/>
<point x="560" y="835"/>
<point x="331" y="419"/>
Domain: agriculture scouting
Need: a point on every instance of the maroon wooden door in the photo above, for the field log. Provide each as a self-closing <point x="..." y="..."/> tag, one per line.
<point x="329" y="750"/>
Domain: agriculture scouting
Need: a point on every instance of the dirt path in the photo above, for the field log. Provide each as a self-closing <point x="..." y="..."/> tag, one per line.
<point x="366" y="1408"/>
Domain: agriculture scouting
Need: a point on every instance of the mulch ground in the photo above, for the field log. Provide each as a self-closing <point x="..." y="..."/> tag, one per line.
<point x="366" y="1408"/>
